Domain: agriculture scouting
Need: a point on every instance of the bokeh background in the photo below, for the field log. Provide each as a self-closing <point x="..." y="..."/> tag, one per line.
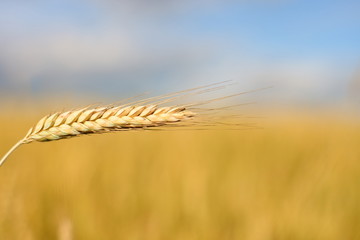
<point x="297" y="178"/>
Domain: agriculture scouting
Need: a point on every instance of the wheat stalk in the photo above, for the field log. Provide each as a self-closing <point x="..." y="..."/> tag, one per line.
<point x="62" y="125"/>
<point x="135" y="115"/>
<point x="143" y="114"/>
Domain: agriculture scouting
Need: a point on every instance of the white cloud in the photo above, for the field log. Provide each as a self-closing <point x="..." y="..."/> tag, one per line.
<point x="69" y="51"/>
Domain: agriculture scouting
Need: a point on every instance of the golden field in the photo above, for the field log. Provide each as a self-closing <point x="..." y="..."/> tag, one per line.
<point x="297" y="178"/>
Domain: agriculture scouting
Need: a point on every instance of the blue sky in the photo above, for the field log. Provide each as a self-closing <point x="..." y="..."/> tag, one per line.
<point x="308" y="49"/>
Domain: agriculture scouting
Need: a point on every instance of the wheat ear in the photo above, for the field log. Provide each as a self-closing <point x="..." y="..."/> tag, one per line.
<point x="142" y="114"/>
<point x="62" y="125"/>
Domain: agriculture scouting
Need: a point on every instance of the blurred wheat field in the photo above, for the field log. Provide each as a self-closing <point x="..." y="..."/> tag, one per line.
<point x="294" y="179"/>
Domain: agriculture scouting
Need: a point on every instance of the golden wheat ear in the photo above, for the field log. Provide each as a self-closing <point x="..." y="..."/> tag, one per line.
<point x="100" y="120"/>
<point x="143" y="114"/>
<point x="135" y="115"/>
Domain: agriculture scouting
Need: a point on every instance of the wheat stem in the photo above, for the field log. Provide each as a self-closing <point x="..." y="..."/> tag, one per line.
<point x="10" y="151"/>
